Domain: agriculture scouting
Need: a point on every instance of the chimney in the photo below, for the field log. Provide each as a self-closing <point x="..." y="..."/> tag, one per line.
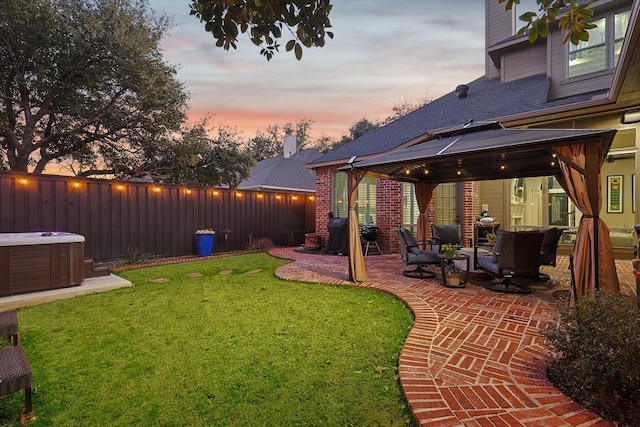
<point x="461" y="91"/>
<point x="290" y="146"/>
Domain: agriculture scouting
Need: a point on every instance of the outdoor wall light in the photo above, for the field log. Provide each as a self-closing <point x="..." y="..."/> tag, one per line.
<point x="278" y="197"/>
<point x="503" y="167"/>
<point x="120" y="187"/>
<point x="552" y="163"/>
<point x="426" y="171"/>
<point x="260" y="196"/>
<point x="215" y="193"/>
<point x="407" y="172"/>
<point x="630" y="116"/>
<point x="157" y="189"/>
<point x="310" y="197"/>
<point x="24" y="181"/>
<point x="459" y="172"/>
<point x="294" y="198"/>
<point x="76" y="184"/>
<point x="187" y="190"/>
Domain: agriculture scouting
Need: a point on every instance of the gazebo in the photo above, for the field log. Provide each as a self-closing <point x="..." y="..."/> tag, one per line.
<point x="483" y="151"/>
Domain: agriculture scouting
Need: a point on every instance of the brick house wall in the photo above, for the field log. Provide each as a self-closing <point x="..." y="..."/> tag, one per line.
<point x="471" y="208"/>
<point x="388" y="208"/>
<point x="388" y="213"/>
<point x="324" y="183"/>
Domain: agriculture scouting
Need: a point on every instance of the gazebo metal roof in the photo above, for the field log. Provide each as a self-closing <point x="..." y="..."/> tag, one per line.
<point x="480" y="151"/>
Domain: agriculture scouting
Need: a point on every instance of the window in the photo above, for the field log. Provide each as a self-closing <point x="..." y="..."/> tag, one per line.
<point x="366" y="204"/>
<point x="603" y="48"/>
<point x="522" y="8"/>
<point x="445" y="196"/>
<point x="409" y="207"/>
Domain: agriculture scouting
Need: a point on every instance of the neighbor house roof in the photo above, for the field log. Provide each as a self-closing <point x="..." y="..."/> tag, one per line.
<point x="487" y="99"/>
<point x="283" y="174"/>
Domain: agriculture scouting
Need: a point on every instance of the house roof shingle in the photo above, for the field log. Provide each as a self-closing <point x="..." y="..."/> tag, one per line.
<point x="487" y="99"/>
<point x="285" y="174"/>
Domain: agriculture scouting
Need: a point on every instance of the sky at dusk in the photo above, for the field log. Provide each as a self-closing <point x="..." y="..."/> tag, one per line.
<point x="383" y="52"/>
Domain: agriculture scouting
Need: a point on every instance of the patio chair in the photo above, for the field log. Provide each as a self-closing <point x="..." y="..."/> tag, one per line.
<point x="446" y="234"/>
<point x="514" y="254"/>
<point x="549" y="248"/>
<point x="413" y="255"/>
<point x="15" y="375"/>
<point x="9" y="326"/>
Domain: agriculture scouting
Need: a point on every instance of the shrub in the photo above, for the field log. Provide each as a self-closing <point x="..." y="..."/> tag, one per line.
<point x="261" y="244"/>
<point x="597" y="346"/>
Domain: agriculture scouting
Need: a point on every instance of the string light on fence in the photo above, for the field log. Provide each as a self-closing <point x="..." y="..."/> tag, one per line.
<point x="260" y="196"/>
<point x="157" y="189"/>
<point x="120" y="187"/>
<point x="294" y="197"/>
<point x="279" y="197"/>
<point x="215" y="192"/>
<point x="187" y="191"/>
<point x="311" y="198"/>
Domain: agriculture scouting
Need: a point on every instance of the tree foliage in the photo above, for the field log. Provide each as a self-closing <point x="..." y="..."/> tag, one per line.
<point x="271" y="142"/>
<point x="198" y="159"/>
<point x="573" y="18"/>
<point x="83" y="80"/>
<point x="307" y="21"/>
<point x="84" y="86"/>
<point x="264" y="21"/>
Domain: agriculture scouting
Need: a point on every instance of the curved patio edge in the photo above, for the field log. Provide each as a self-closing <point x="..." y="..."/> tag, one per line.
<point x="472" y="358"/>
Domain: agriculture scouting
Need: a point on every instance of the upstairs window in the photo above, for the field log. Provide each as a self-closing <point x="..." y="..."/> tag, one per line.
<point x="603" y="48"/>
<point x="520" y="9"/>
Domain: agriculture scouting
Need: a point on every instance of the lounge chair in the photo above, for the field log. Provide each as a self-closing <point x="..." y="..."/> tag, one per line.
<point x="549" y="248"/>
<point x="413" y="255"/>
<point x="447" y="234"/>
<point x="514" y="254"/>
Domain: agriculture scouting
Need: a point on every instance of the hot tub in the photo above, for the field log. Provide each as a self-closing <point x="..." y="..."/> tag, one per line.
<point x="40" y="261"/>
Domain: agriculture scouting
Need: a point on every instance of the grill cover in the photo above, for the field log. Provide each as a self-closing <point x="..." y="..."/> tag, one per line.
<point x="338" y="236"/>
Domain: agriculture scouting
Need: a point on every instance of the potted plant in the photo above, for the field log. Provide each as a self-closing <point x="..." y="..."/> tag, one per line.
<point x="452" y="273"/>
<point x="448" y="249"/>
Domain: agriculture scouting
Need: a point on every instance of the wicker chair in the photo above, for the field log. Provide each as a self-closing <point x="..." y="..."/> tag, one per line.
<point x="15" y="375"/>
<point x="413" y="255"/>
<point x="9" y="326"/>
<point x="514" y="253"/>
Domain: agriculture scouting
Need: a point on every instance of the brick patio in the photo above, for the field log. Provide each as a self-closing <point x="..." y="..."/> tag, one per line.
<point x="473" y="356"/>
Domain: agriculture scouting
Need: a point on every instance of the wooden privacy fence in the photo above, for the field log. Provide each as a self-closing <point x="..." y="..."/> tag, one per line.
<point x="125" y="219"/>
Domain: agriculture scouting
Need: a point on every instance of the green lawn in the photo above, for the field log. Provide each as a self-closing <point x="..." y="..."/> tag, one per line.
<point x="231" y="349"/>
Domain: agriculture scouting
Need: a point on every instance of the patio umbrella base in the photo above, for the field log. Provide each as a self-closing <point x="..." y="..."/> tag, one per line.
<point x="419" y="273"/>
<point x="508" y="287"/>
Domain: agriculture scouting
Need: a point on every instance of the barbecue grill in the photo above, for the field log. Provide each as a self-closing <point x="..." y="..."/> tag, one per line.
<point x="370" y="234"/>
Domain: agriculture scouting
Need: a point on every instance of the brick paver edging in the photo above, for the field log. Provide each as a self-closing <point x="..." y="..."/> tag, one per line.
<point x="472" y="358"/>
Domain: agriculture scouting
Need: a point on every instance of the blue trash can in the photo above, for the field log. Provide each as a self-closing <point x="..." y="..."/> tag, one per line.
<point x="205" y="244"/>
